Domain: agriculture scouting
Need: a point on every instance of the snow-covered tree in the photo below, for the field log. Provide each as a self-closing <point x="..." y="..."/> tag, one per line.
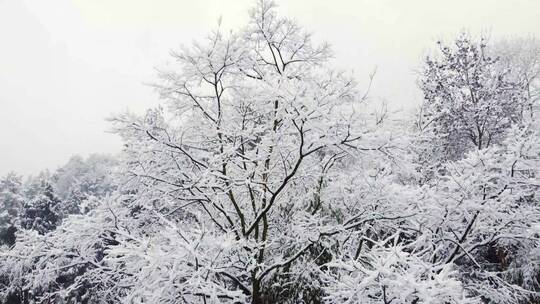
<point x="521" y="55"/>
<point x="483" y="215"/>
<point x="11" y="200"/>
<point x="480" y="157"/>
<point x="233" y="172"/>
<point x="393" y="274"/>
<point x="470" y="98"/>
<point x="64" y="265"/>
<point x="41" y="208"/>
<point x="81" y="183"/>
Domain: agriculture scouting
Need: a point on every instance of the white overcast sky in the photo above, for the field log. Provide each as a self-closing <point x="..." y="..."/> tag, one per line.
<point x="65" y="65"/>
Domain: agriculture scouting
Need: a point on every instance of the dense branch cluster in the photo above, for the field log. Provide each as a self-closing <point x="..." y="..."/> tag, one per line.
<point x="265" y="178"/>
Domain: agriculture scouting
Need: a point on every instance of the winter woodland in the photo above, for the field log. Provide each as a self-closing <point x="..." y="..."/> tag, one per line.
<point x="267" y="176"/>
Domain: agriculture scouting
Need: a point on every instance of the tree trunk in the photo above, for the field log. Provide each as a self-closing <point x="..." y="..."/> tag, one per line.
<point x="256" y="296"/>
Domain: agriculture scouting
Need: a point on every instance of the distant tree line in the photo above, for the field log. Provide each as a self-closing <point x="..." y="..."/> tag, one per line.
<point x="40" y="202"/>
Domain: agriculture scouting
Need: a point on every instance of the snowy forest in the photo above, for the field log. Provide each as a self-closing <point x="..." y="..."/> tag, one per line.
<point x="265" y="175"/>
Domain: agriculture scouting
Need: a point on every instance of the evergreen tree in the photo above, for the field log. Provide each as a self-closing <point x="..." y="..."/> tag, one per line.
<point x="40" y="212"/>
<point x="11" y="200"/>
